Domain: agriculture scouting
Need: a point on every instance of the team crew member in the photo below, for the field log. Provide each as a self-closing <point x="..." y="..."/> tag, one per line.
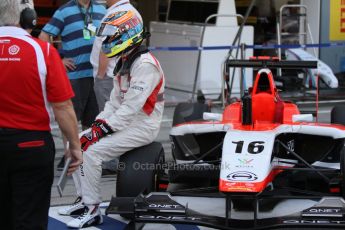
<point x="28" y="19"/>
<point x="130" y="119"/>
<point x="103" y="68"/>
<point x="34" y="90"/>
<point x="76" y="22"/>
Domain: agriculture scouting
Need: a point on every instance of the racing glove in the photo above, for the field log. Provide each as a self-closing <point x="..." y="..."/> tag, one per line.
<point x="99" y="129"/>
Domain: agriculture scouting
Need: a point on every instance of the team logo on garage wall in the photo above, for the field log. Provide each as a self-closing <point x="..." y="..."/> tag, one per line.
<point x="242" y="176"/>
<point x="13" y="50"/>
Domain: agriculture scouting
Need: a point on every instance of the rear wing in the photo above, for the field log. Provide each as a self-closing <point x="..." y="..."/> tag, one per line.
<point x="271" y="63"/>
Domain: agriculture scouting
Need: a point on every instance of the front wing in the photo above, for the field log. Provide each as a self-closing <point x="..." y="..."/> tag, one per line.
<point x="329" y="212"/>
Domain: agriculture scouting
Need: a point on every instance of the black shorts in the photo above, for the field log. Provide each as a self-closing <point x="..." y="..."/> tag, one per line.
<point x="84" y="101"/>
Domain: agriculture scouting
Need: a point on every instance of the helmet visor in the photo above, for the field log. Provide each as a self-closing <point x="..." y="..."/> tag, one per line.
<point x="108" y="30"/>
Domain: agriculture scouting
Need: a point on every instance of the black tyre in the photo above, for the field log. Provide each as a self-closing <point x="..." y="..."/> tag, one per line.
<point x="338" y="117"/>
<point x="342" y="172"/>
<point x="185" y="112"/>
<point x="143" y="168"/>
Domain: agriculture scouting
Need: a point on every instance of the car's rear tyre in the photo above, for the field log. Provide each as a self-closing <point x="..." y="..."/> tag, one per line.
<point x="141" y="171"/>
<point x="338" y="117"/>
<point x="185" y="112"/>
<point x="342" y="172"/>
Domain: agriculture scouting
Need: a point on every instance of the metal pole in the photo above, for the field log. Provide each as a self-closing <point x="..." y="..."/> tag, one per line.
<point x="243" y="47"/>
<point x="201" y="44"/>
<point x="237" y="37"/>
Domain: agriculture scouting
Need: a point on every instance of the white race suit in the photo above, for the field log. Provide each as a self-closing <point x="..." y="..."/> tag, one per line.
<point x="134" y="112"/>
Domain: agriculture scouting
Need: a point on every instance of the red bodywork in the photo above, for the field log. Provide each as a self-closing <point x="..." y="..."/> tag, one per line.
<point x="268" y="110"/>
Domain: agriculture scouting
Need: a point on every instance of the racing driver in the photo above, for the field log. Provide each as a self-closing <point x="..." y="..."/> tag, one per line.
<point x="131" y="118"/>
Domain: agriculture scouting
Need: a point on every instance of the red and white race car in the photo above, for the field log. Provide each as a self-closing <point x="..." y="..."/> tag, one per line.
<point x="259" y="148"/>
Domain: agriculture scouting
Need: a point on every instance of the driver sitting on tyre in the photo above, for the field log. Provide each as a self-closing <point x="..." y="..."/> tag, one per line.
<point x="131" y="118"/>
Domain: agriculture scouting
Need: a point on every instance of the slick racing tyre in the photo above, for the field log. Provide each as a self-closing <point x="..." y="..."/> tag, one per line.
<point x="338" y="117"/>
<point x="342" y="172"/>
<point x="141" y="171"/>
<point x="142" y="166"/>
<point x="186" y="112"/>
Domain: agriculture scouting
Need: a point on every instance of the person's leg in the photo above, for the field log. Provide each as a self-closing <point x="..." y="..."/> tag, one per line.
<point x="78" y="207"/>
<point x="92" y="214"/>
<point x="5" y="191"/>
<point x="78" y="99"/>
<point x="89" y="102"/>
<point x="31" y="181"/>
<point x="103" y="88"/>
<point x="106" y="149"/>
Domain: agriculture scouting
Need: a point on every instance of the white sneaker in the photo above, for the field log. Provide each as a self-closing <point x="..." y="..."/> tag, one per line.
<point x="91" y="216"/>
<point x="76" y="209"/>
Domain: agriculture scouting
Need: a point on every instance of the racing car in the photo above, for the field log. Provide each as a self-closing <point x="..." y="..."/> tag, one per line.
<point x="259" y="148"/>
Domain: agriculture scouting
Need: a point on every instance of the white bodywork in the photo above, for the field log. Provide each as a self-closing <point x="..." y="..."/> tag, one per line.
<point x="239" y="165"/>
<point x="304" y="128"/>
<point x="246" y="155"/>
